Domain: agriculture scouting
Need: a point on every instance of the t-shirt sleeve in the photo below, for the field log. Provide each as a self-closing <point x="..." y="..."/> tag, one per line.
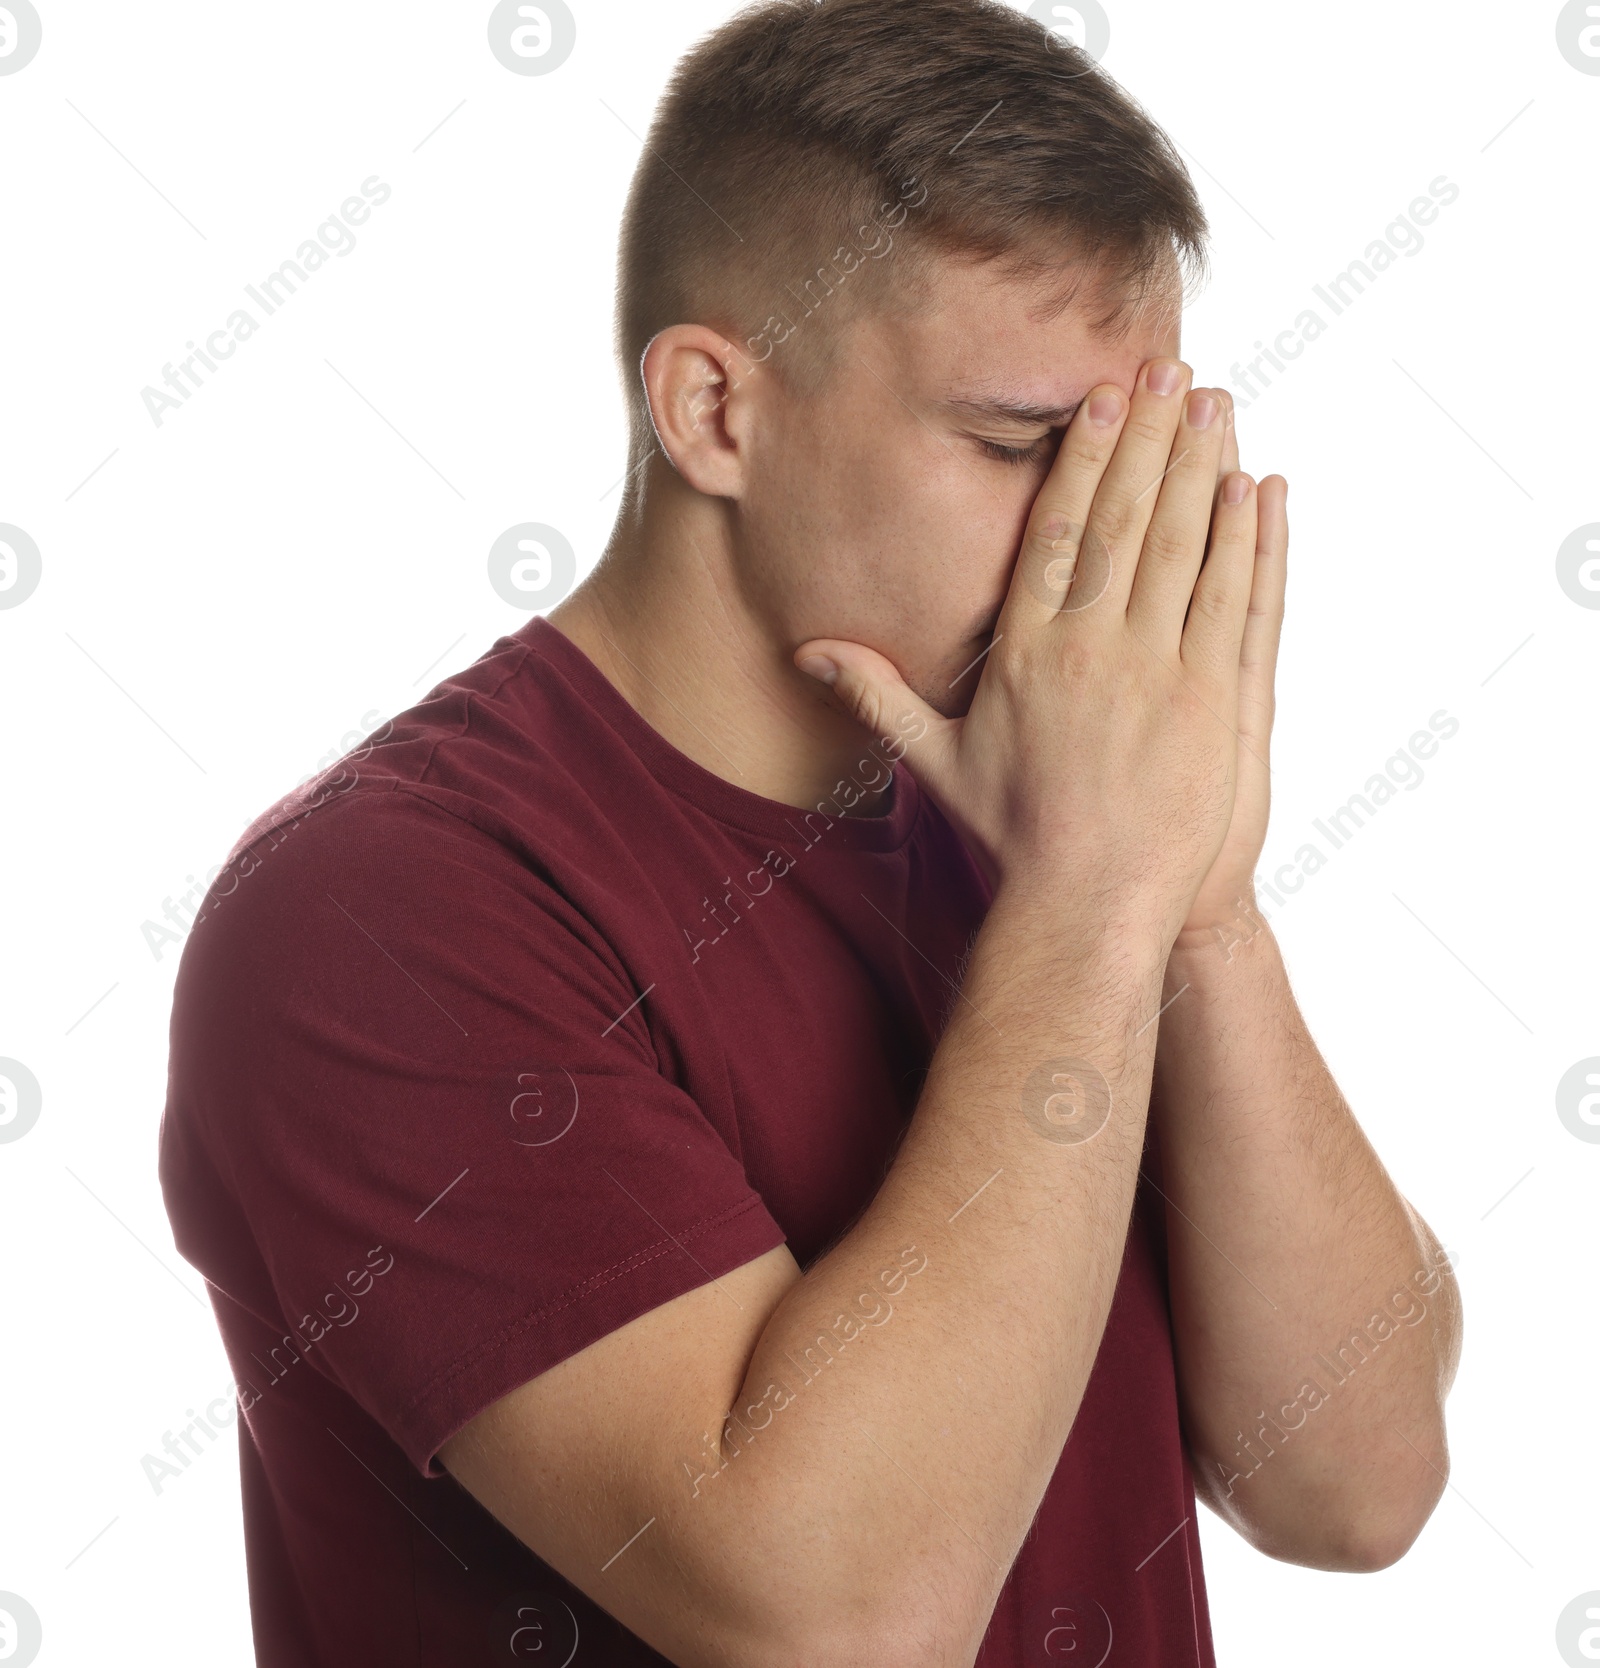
<point x="430" y="1092"/>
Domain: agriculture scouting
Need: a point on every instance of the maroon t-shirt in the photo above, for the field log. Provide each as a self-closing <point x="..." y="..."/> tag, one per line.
<point x="509" y="1028"/>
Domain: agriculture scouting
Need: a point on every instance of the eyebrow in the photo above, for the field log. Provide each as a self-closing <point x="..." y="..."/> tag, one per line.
<point x="1017" y="411"/>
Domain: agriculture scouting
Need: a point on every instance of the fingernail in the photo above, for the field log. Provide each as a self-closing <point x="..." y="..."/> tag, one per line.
<point x="1164" y="377"/>
<point x="1105" y="407"/>
<point x="818" y="666"/>
<point x="1236" y="489"/>
<point x="1202" y="411"/>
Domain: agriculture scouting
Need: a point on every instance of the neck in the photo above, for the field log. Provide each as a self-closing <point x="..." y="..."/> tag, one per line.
<point x="679" y="630"/>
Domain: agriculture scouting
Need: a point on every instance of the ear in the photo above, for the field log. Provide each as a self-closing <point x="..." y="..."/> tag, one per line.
<point x="697" y="384"/>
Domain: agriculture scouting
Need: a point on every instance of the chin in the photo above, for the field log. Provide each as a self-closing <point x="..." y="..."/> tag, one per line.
<point x="936" y="691"/>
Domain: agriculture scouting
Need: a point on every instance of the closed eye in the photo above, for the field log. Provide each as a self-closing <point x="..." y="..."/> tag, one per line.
<point x="1035" y="452"/>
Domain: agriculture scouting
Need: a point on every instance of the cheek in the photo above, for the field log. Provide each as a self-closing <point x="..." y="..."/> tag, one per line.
<point x="898" y="541"/>
<point x="943" y="532"/>
<point x="849" y="546"/>
<point x="989" y="537"/>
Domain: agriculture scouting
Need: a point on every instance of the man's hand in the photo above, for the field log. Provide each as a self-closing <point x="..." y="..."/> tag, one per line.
<point x="1228" y="892"/>
<point x="1100" y="752"/>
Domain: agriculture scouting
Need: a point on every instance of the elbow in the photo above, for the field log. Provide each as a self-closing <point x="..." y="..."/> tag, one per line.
<point x="1364" y="1548"/>
<point x="1383" y="1530"/>
<point x="1358" y="1537"/>
<point x="1390" y="1536"/>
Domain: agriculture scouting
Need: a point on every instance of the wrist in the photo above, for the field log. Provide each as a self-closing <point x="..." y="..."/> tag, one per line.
<point x="1075" y="920"/>
<point x="1224" y="937"/>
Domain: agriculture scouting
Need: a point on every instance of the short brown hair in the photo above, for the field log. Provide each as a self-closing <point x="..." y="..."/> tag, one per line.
<point x="793" y="140"/>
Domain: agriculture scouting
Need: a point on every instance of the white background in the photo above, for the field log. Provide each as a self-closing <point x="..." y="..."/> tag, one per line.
<point x="226" y="596"/>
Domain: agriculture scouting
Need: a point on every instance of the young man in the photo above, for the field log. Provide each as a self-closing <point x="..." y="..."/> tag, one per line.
<point x="759" y="1124"/>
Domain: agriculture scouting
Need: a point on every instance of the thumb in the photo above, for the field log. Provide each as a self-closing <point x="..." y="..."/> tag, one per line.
<point x="868" y="686"/>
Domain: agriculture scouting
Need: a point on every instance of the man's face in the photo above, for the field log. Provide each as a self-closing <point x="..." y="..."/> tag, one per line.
<point x="879" y="509"/>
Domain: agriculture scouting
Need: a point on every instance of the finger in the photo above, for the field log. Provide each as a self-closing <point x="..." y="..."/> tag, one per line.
<point x="1126" y="498"/>
<point x="1214" y="632"/>
<point x="1175" y="541"/>
<point x="1050" y="563"/>
<point x="1258" y="652"/>
<point x="869" y="687"/>
<point x="1230" y="432"/>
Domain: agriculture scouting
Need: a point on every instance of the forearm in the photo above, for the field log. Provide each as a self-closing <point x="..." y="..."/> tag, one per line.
<point x="936" y="1430"/>
<point x="1315" y="1335"/>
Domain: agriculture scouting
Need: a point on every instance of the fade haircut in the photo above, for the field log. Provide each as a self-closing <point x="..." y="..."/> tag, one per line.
<point x="814" y="157"/>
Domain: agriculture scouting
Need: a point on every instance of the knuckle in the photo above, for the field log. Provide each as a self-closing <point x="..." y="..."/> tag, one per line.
<point x="1052" y="526"/>
<point x="1050" y="552"/>
<point x="1075" y="475"/>
<point x="1113" y="512"/>
<point x="1153" y="426"/>
<point x="1168" y="543"/>
<point x="1234" y="536"/>
<point x="864" y="703"/>
<point x="1212" y="604"/>
<point x="1199" y="459"/>
<point x="1092" y="446"/>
